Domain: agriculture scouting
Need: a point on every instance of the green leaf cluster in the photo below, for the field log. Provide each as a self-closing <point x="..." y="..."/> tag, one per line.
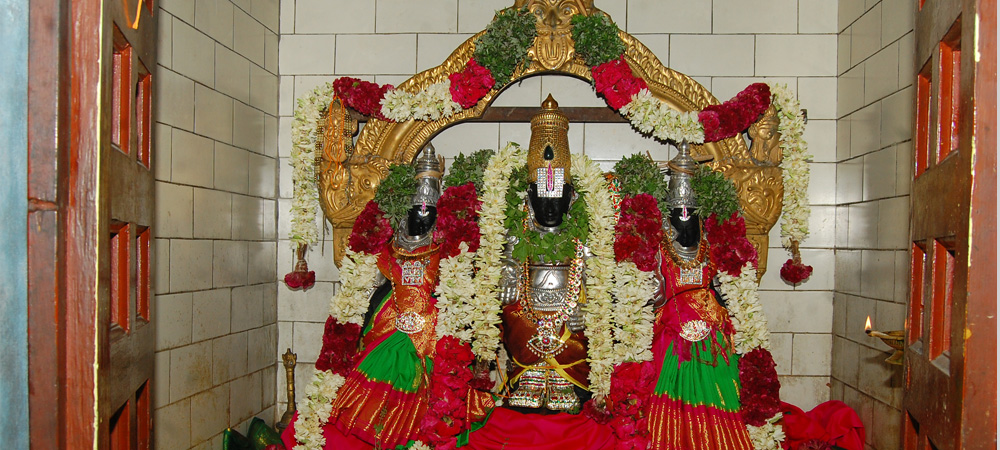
<point x="639" y="174"/>
<point x="469" y="169"/>
<point x="395" y="194"/>
<point x="504" y="45"/>
<point x="715" y="193"/>
<point x="596" y="39"/>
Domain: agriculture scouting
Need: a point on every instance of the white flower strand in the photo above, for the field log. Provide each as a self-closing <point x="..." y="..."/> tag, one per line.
<point x="428" y="104"/>
<point x="486" y="302"/>
<point x="632" y="315"/>
<point x="358" y="272"/>
<point x="795" y="165"/>
<point x="768" y="436"/>
<point x="455" y="293"/>
<point x="649" y="115"/>
<point x="600" y="266"/>
<point x="316" y="409"/>
<point x="305" y="199"/>
<point x="745" y="310"/>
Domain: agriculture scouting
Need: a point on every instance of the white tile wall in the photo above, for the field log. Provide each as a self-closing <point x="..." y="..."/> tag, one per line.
<point x="668" y="16"/>
<point x="427" y="16"/>
<point x="736" y="16"/>
<point x="732" y="55"/>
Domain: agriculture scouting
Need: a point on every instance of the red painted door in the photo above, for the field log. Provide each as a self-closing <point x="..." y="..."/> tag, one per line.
<point x="124" y="320"/>
<point x="950" y="359"/>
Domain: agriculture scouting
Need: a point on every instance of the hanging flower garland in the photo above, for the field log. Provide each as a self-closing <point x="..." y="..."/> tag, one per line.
<point x="315" y="409"/>
<point x="795" y="176"/>
<point x="486" y="307"/>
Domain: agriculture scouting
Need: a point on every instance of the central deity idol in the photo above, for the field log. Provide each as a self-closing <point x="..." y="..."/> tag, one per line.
<point x="543" y="288"/>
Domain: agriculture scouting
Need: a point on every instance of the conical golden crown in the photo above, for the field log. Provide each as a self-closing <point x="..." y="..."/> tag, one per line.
<point x="549" y="128"/>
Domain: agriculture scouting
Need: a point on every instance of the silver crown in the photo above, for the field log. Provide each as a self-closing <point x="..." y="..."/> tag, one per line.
<point x="681" y="170"/>
<point x="429" y="168"/>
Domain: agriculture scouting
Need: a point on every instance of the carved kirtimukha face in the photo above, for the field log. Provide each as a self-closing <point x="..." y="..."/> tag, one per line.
<point x="554" y="44"/>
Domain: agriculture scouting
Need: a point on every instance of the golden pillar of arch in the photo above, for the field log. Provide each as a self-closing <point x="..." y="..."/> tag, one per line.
<point x="348" y="175"/>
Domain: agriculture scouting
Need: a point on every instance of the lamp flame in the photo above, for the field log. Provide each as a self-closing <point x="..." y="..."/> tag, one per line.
<point x="868" y="324"/>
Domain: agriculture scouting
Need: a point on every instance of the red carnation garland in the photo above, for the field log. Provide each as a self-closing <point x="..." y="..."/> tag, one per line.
<point x="340" y="347"/>
<point x="737" y="114"/>
<point x="639" y="231"/>
<point x="759" y="387"/>
<point x="372" y="230"/>
<point x="458" y="212"/>
<point x="364" y="97"/>
<point x="614" y="80"/>
<point x="471" y="84"/>
<point x="731" y="249"/>
<point x="447" y="412"/>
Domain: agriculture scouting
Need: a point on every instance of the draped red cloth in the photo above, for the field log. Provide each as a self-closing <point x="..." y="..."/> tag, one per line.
<point x="511" y="430"/>
<point x="832" y="421"/>
<point x="332" y="434"/>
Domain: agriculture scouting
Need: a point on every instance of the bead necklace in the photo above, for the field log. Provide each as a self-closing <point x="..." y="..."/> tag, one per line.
<point x="547" y="342"/>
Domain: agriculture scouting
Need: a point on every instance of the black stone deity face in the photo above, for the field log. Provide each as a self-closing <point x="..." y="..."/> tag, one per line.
<point x="549" y="211"/>
<point x="687" y="225"/>
<point x="420" y="219"/>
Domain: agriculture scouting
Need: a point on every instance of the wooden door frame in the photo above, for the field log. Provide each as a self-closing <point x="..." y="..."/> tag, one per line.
<point x="64" y="112"/>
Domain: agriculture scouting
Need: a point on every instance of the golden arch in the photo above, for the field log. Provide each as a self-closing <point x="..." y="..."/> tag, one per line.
<point x="347" y="179"/>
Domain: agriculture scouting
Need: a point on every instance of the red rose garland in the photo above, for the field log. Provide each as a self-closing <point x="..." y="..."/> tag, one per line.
<point x="735" y="115"/>
<point x="364" y="97"/>
<point x="447" y="413"/>
<point x="371" y="230"/>
<point x="471" y="84"/>
<point x="340" y="347"/>
<point x="758" y="387"/>
<point x="731" y="249"/>
<point x="638" y="232"/>
<point x="458" y="209"/>
<point x="631" y="387"/>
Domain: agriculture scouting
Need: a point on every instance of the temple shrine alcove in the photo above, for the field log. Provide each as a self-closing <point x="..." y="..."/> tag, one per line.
<point x="349" y="172"/>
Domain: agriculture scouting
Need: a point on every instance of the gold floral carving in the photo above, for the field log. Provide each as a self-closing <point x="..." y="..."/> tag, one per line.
<point x="553" y="46"/>
<point x="347" y="187"/>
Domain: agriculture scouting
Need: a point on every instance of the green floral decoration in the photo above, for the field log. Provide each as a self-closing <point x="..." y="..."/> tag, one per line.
<point x="639" y="174"/>
<point x="715" y="193"/>
<point x="504" y="45"/>
<point x="596" y="39"/>
<point x="469" y="169"/>
<point x="531" y="245"/>
<point x="395" y="192"/>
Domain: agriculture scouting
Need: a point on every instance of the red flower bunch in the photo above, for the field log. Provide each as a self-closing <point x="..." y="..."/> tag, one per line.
<point x="364" y="96"/>
<point x="371" y="232"/>
<point x="471" y="84"/>
<point x="758" y="387"/>
<point x="614" y="80"/>
<point x="735" y="115"/>
<point x="793" y="271"/>
<point x="639" y="231"/>
<point x="631" y="386"/>
<point x="458" y="210"/>
<point x="300" y="276"/>
<point x="730" y="247"/>
<point x="449" y="387"/>
<point x="340" y="347"/>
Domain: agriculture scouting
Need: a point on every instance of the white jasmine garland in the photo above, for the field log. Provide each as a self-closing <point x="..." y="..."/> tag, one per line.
<point x="429" y="104"/>
<point x="305" y="201"/>
<point x="745" y="310"/>
<point x="486" y="302"/>
<point x="455" y="293"/>
<point x="768" y="436"/>
<point x="649" y="115"/>
<point x="316" y="409"/>
<point x="358" y="272"/>
<point x="632" y="315"/>
<point x="795" y="166"/>
<point x="597" y="311"/>
<point x="420" y="445"/>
